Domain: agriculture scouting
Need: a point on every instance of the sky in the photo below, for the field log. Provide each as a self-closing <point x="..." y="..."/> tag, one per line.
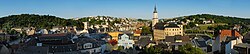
<point x="125" y="8"/>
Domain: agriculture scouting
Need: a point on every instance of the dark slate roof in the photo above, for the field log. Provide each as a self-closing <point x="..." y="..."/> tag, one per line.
<point x="99" y="35"/>
<point x="155" y="11"/>
<point x="173" y="38"/>
<point x="181" y="43"/>
<point x="34" y="50"/>
<point x="243" y="45"/>
<point x="144" y="41"/>
<point x="159" y="26"/>
<point x="172" y="25"/>
<point x="116" y="52"/>
<point x="202" y="43"/>
<point x="62" y="48"/>
<point x="95" y="43"/>
<point x="206" y="37"/>
<point x="247" y="36"/>
<point x="55" y="39"/>
<point x="170" y="39"/>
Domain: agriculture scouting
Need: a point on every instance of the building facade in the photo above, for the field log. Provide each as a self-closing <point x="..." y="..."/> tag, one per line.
<point x="161" y="30"/>
<point x="174" y="30"/>
<point x="125" y="41"/>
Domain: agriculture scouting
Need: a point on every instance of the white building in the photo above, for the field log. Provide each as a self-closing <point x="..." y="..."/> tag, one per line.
<point x="226" y="40"/>
<point x="125" y="41"/>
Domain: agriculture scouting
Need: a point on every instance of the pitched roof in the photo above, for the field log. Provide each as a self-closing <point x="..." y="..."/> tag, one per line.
<point x="47" y="35"/>
<point x="159" y="26"/>
<point x="30" y="50"/>
<point x="170" y="39"/>
<point x="247" y="36"/>
<point x="228" y="33"/>
<point x="116" y="52"/>
<point x="205" y="38"/>
<point x="137" y="31"/>
<point x="155" y="11"/>
<point x="172" y="27"/>
<point x="174" y="38"/>
<point x="202" y="43"/>
<point x="144" y="41"/>
<point x="243" y="45"/>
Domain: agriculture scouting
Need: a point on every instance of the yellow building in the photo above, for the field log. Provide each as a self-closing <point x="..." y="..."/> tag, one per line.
<point x="159" y="34"/>
<point x="173" y="30"/>
<point x="114" y="35"/>
<point x="161" y="30"/>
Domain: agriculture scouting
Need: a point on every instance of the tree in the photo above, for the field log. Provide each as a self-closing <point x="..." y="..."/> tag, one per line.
<point x="152" y="50"/>
<point x="220" y="27"/>
<point x="32" y="20"/>
<point x="146" y="30"/>
<point x="120" y="48"/>
<point x="210" y="28"/>
<point x="141" y="20"/>
<point x="190" y="25"/>
<point x="12" y="32"/>
<point x="189" y="49"/>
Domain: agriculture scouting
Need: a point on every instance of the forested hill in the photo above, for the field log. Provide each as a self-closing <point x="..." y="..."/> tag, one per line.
<point x="219" y="18"/>
<point x="48" y="21"/>
<point x="28" y="20"/>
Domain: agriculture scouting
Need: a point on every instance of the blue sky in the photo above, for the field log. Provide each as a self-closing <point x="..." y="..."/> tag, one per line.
<point x="125" y="8"/>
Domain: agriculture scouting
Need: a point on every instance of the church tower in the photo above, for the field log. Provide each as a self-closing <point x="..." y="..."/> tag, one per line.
<point x="155" y="17"/>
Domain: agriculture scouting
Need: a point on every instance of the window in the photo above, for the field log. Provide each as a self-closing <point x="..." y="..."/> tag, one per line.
<point x="88" y="45"/>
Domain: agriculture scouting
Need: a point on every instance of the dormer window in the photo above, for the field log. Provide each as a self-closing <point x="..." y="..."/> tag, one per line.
<point x="88" y="45"/>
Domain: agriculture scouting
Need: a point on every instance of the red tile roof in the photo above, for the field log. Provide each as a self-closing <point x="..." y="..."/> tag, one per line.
<point x="228" y="33"/>
<point x="137" y="31"/>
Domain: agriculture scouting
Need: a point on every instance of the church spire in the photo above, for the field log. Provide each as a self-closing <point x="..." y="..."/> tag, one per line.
<point x="155" y="10"/>
<point x="155" y="17"/>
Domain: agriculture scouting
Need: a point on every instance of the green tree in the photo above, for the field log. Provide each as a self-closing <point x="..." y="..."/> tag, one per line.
<point x="32" y="20"/>
<point x="190" y="25"/>
<point x="120" y="48"/>
<point x="189" y="49"/>
<point x="152" y="50"/>
<point x="146" y="30"/>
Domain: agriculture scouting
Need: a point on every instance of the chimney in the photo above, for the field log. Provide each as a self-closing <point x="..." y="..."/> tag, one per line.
<point x="233" y="33"/>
